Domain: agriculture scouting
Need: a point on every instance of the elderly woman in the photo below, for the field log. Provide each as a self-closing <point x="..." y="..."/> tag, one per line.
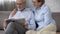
<point x="21" y="12"/>
<point x="43" y="19"/>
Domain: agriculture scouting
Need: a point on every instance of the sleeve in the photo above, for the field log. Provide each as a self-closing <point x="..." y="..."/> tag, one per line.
<point x="31" y="24"/>
<point x="46" y="18"/>
<point x="10" y="16"/>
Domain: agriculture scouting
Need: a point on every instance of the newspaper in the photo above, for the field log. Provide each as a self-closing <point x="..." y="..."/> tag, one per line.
<point x="21" y="21"/>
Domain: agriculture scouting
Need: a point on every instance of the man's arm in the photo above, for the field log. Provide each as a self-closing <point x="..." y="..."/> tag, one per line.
<point x="5" y="21"/>
<point x="12" y="13"/>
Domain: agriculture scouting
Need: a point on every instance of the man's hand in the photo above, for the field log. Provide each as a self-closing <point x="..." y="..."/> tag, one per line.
<point x="5" y="23"/>
<point x="7" y="20"/>
<point x="26" y="25"/>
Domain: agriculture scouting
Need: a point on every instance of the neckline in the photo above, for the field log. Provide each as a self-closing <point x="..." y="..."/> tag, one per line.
<point x="21" y="10"/>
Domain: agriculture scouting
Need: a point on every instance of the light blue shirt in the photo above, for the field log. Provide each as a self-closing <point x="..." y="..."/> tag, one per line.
<point x="43" y="16"/>
<point x="28" y="15"/>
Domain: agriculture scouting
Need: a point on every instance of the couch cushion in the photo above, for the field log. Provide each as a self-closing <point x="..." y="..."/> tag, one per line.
<point x="3" y="15"/>
<point x="56" y="16"/>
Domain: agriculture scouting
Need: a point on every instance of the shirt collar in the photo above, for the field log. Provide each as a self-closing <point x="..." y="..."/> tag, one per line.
<point x="21" y="9"/>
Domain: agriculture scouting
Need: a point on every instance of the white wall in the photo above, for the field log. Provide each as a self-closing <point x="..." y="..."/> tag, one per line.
<point x="29" y="3"/>
<point x="53" y="4"/>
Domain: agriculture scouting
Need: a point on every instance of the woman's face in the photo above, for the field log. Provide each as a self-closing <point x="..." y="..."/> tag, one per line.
<point x="36" y="3"/>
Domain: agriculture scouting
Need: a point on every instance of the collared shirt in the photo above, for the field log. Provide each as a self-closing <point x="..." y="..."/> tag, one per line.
<point x="28" y="15"/>
<point x="43" y="16"/>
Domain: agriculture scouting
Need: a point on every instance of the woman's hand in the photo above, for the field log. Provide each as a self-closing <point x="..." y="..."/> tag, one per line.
<point x="26" y="25"/>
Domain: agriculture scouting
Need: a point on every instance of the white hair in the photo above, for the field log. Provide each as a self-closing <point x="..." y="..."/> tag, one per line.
<point x="21" y="0"/>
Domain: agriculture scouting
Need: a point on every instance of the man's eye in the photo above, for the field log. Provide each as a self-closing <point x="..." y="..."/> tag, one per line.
<point x="19" y="3"/>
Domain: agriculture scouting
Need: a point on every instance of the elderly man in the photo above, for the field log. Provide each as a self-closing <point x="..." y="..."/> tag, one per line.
<point x="19" y="13"/>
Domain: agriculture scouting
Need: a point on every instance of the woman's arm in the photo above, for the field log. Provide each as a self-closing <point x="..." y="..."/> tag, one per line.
<point x="32" y="24"/>
<point x="47" y="18"/>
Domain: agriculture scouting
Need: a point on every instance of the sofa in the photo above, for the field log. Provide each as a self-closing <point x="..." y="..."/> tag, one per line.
<point x="5" y="14"/>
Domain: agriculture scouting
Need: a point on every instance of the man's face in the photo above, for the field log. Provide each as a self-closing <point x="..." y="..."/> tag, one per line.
<point x="36" y="3"/>
<point x="20" y="4"/>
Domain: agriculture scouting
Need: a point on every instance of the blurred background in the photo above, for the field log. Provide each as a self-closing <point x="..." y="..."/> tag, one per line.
<point x="6" y="6"/>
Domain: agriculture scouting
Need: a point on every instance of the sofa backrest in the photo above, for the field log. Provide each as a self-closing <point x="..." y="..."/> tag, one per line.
<point x="5" y="14"/>
<point x="56" y="16"/>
